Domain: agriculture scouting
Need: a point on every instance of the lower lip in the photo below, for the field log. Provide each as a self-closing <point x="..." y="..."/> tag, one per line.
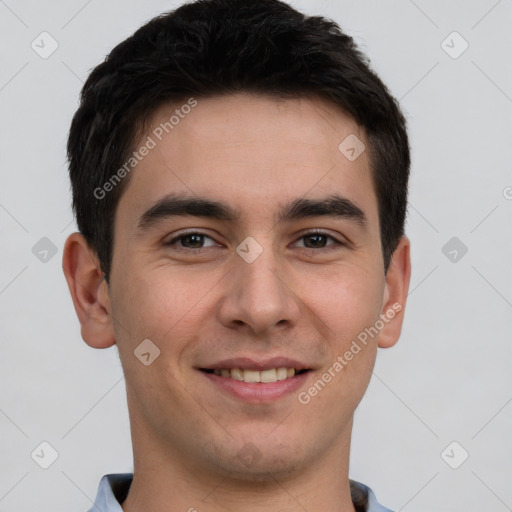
<point x="258" y="392"/>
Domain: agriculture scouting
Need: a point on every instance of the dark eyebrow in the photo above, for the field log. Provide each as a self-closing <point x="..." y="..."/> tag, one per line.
<point x="332" y="206"/>
<point x="175" y="205"/>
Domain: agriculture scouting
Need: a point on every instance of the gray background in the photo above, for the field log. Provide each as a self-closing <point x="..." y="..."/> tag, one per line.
<point x="449" y="377"/>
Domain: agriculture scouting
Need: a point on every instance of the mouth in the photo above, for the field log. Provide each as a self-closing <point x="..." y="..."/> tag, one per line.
<point x="268" y="376"/>
<point x="257" y="381"/>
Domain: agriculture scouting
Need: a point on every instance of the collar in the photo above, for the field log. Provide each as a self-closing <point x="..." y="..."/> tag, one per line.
<point x="113" y="490"/>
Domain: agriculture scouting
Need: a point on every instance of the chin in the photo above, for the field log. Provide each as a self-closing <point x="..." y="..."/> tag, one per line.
<point x="262" y="460"/>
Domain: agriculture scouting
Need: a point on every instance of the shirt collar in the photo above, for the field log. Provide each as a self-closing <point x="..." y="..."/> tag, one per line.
<point x="113" y="490"/>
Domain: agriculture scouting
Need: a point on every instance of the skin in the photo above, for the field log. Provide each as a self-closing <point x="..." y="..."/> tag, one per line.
<point x="298" y="300"/>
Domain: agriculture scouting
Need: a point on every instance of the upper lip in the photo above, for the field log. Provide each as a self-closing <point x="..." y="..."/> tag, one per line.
<point x="247" y="363"/>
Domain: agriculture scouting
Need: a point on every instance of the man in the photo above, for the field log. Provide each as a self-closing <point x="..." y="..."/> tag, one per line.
<point x="239" y="180"/>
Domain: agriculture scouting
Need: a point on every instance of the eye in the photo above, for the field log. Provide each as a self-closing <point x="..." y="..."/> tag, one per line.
<point x="196" y="240"/>
<point x="192" y="240"/>
<point x="318" y="240"/>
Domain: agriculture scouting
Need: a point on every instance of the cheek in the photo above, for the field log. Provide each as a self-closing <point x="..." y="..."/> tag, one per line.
<point x="349" y="301"/>
<point x="163" y="304"/>
<point x="349" y="307"/>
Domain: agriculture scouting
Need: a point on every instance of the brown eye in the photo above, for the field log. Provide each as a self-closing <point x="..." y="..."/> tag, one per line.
<point x="318" y="240"/>
<point x="315" y="241"/>
<point x="191" y="241"/>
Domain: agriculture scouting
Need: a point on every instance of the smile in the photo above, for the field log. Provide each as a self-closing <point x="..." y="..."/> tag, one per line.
<point x="257" y="386"/>
<point x="254" y="376"/>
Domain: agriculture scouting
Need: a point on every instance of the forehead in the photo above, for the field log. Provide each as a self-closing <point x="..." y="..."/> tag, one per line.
<point x="247" y="149"/>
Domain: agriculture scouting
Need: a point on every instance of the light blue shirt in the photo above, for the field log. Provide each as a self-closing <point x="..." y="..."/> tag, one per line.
<point x="114" y="488"/>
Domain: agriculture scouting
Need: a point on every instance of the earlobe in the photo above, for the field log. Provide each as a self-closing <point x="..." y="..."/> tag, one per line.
<point x="89" y="292"/>
<point x="395" y="294"/>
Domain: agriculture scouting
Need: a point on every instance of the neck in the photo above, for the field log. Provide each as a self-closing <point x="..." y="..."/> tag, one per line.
<point x="166" y="481"/>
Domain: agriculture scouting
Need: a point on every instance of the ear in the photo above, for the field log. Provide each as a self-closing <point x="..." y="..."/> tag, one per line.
<point x="89" y="292"/>
<point x="395" y="294"/>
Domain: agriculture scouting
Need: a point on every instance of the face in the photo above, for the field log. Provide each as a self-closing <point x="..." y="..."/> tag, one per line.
<point x="274" y="268"/>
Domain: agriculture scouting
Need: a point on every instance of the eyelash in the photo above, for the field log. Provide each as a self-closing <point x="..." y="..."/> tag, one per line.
<point x="337" y="244"/>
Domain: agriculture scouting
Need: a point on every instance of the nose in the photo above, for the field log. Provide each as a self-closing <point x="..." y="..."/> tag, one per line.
<point x="260" y="295"/>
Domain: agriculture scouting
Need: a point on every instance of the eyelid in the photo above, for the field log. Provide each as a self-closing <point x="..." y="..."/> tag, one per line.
<point x="316" y="231"/>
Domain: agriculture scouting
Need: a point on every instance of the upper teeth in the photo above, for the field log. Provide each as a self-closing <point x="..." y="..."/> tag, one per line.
<point x="272" y="375"/>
